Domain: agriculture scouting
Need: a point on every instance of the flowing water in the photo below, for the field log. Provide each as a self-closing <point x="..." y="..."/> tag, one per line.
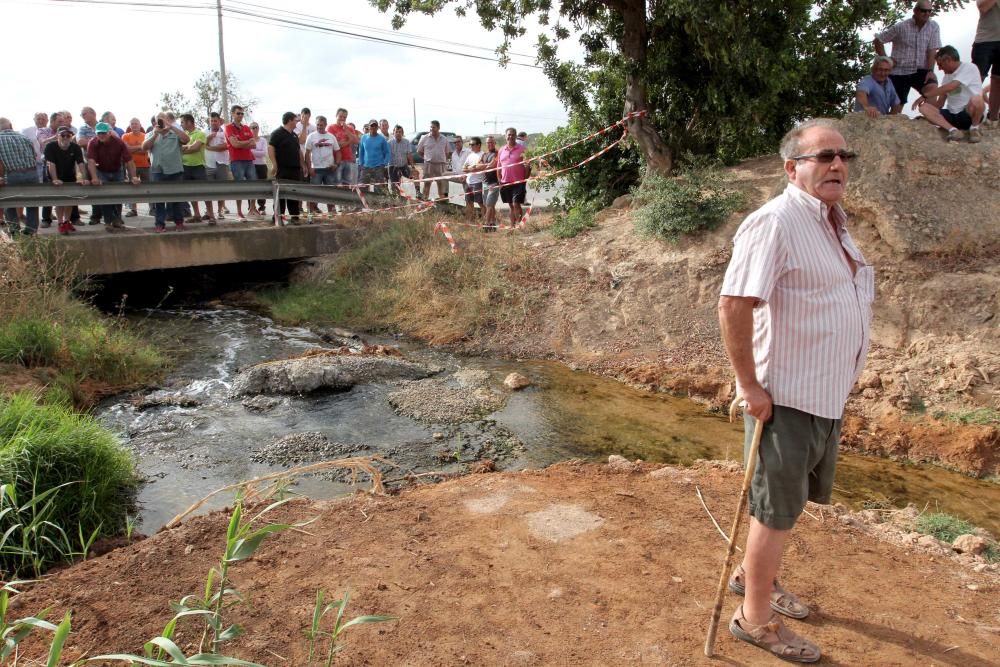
<point x="185" y="452"/>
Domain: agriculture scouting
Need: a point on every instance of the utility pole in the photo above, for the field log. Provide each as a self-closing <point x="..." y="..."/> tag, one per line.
<point x="414" y="114"/>
<point x="493" y="122"/>
<point x="222" y="65"/>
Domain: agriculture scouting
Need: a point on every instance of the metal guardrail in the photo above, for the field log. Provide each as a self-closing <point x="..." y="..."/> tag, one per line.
<point x="72" y="194"/>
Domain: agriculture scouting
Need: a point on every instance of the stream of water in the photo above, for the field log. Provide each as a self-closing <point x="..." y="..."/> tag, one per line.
<point x="185" y="452"/>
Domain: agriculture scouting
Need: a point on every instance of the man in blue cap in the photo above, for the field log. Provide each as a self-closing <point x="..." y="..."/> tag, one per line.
<point x="107" y="155"/>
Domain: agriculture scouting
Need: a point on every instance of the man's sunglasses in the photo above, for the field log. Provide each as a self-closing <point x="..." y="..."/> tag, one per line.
<point x="237" y="113"/>
<point x="827" y="156"/>
<point x="65" y="134"/>
<point x="923" y="11"/>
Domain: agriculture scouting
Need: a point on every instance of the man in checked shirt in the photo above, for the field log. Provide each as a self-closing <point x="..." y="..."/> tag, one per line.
<point x="915" y="42"/>
<point x="795" y="312"/>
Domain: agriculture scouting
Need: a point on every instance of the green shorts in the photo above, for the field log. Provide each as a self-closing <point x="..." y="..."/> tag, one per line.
<point x="796" y="462"/>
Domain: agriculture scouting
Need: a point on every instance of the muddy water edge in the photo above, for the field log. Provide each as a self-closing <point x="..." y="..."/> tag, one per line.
<point x="190" y="437"/>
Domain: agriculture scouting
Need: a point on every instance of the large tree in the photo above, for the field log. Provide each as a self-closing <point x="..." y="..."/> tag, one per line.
<point x="723" y="79"/>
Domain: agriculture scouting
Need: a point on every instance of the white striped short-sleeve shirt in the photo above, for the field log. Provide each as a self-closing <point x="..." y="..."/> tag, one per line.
<point x="811" y="325"/>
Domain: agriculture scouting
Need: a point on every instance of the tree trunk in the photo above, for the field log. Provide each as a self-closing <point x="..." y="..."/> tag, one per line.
<point x="659" y="157"/>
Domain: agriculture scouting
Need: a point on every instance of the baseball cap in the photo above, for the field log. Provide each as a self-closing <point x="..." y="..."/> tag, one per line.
<point x="372" y="122"/>
<point x="62" y="129"/>
<point x="102" y="128"/>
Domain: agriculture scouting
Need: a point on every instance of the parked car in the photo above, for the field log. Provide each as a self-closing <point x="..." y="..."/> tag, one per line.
<point x="416" y="139"/>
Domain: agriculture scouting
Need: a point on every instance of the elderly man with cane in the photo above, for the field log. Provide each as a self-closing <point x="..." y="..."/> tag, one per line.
<point x="795" y="312"/>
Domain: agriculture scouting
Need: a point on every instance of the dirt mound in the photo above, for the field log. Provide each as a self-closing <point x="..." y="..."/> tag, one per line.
<point x="572" y="565"/>
<point x="925" y="196"/>
<point x="464" y="396"/>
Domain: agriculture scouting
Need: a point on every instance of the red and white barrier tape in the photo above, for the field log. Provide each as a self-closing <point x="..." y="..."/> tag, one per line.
<point x="420" y="205"/>
<point x="537" y="158"/>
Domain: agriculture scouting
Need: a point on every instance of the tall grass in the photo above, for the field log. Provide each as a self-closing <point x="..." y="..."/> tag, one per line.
<point x="345" y="293"/>
<point x="70" y="481"/>
<point x="42" y="324"/>
<point x="403" y="276"/>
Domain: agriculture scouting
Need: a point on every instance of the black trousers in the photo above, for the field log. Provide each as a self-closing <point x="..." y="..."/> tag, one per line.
<point x="293" y="205"/>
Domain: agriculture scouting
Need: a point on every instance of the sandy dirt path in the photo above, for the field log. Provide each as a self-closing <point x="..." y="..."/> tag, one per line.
<point x="572" y="565"/>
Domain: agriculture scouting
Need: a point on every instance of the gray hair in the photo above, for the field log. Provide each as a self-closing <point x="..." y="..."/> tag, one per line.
<point x="881" y="59"/>
<point x="790" y="142"/>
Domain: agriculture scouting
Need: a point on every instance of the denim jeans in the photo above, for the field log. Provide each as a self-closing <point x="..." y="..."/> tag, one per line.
<point x="109" y="212"/>
<point x="30" y="214"/>
<point x="243" y="170"/>
<point x="346" y="174"/>
<point x="324" y="176"/>
<point x="175" y="208"/>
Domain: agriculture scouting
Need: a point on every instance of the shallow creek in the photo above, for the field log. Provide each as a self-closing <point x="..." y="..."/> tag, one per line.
<point x="186" y="451"/>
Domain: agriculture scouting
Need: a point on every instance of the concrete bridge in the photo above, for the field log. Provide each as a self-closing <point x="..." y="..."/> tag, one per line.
<point x="138" y="248"/>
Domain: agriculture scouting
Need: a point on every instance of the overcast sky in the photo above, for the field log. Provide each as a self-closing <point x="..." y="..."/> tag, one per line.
<point x="121" y="59"/>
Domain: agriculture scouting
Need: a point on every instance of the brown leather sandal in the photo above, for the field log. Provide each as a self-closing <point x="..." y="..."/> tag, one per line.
<point x="774" y="637"/>
<point x="782" y="601"/>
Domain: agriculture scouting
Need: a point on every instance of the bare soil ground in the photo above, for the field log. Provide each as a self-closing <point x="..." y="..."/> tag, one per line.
<point x="572" y="565"/>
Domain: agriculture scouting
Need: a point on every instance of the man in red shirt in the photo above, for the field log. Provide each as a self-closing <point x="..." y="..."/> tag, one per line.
<point x="106" y="156"/>
<point x="346" y="137"/>
<point x="241" y="142"/>
<point x="512" y="175"/>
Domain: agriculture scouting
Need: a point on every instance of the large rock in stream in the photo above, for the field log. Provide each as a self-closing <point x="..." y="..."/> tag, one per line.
<point x="331" y="370"/>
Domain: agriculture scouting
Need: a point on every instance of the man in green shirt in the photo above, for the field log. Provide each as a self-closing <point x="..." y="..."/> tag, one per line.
<point x="193" y="159"/>
<point x="164" y="146"/>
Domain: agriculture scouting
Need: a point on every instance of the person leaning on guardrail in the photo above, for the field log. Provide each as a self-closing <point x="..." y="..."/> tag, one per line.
<point x="164" y="146"/>
<point x="17" y="166"/>
<point x="65" y="163"/>
<point x="106" y="155"/>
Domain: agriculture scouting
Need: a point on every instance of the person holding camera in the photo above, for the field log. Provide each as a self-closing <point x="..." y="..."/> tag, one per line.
<point x="164" y="147"/>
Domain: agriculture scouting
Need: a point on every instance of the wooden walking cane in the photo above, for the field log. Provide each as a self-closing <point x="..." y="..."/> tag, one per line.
<point x="751" y="465"/>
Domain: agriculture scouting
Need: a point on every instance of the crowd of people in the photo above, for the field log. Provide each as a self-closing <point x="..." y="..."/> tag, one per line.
<point x="962" y="100"/>
<point x="317" y="151"/>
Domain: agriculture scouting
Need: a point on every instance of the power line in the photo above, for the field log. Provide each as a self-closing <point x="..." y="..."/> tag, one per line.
<point x="368" y="38"/>
<point x="297" y="25"/>
<point x="187" y="11"/>
<point x="133" y="3"/>
<point x="395" y="33"/>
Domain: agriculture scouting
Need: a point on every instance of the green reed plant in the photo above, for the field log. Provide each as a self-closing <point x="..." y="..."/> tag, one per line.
<point x="13" y="632"/>
<point x="163" y="645"/>
<point x="242" y="541"/>
<point x="315" y="633"/>
<point x="65" y="475"/>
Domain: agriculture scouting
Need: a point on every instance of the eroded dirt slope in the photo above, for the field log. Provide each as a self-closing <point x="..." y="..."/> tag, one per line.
<point x="645" y="311"/>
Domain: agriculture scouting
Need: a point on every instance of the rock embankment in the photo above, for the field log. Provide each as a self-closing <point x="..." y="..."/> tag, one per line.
<point x="332" y="371"/>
